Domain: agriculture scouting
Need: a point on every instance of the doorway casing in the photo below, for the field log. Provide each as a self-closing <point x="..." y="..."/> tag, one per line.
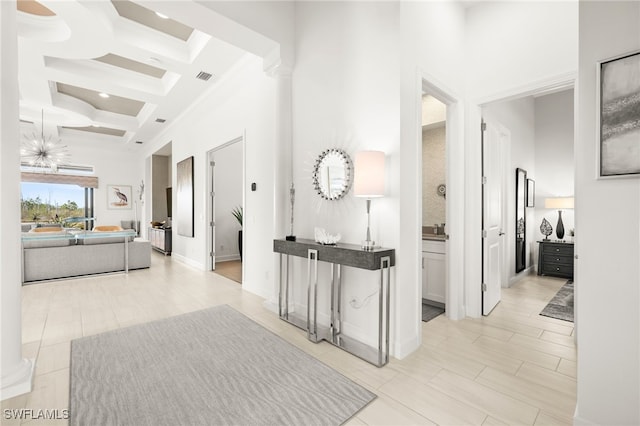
<point x="211" y="212"/>
<point x="454" y="154"/>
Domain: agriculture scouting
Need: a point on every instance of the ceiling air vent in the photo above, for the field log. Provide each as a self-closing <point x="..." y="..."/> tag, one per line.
<point x="204" y="76"/>
<point x="160" y="120"/>
<point x="139" y="142"/>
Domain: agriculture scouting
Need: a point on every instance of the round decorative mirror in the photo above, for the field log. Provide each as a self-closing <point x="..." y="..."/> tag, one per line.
<point x="332" y="174"/>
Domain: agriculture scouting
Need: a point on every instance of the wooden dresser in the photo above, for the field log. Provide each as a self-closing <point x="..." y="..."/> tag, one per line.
<point x="555" y="259"/>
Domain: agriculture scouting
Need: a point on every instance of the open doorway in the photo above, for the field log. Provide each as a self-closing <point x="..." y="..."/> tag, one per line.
<point x="225" y="207"/>
<point x="450" y="184"/>
<point x="434" y="206"/>
<point x="539" y="173"/>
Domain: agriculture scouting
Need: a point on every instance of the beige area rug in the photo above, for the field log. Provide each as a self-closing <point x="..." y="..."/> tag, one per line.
<point x="231" y="269"/>
<point x="210" y="367"/>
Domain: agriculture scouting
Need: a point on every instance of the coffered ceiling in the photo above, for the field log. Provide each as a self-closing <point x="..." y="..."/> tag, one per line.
<point x="108" y="73"/>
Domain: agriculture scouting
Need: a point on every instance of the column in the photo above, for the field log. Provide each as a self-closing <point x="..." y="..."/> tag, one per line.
<point x="283" y="169"/>
<point x="17" y="373"/>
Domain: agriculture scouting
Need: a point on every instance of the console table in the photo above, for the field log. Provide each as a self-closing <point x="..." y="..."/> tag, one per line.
<point x="555" y="259"/>
<point x="379" y="259"/>
<point x="160" y="240"/>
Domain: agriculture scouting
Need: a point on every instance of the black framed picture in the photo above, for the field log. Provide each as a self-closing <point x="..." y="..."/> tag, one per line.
<point x="619" y="116"/>
<point x="184" y="196"/>
<point x="531" y="193"/>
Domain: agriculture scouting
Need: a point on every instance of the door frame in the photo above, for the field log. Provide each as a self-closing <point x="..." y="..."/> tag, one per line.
<point x="454" y="295"/>
<point x="473" y="236"/>
<point x="211" y="210"/>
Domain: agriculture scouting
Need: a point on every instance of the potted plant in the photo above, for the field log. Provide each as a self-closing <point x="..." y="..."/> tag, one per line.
<point x="237" y="213"/>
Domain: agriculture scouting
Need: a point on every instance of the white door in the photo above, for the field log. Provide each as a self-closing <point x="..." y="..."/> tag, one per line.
<point x="493" y="164"/>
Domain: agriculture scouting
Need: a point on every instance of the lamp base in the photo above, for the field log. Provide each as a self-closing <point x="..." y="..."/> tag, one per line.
<point x="368" y="245"/>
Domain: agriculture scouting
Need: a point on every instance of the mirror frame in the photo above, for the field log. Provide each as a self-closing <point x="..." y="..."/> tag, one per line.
<point x="348" y="165"/>
<point x="521" y="233"/>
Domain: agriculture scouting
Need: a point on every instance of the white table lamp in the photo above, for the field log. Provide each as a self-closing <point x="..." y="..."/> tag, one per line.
<point x="368" y="183"/>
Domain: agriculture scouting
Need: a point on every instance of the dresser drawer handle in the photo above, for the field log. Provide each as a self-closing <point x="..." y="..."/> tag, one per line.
<point x="557" y="259"/>
<point x="557" y="269"/>
<point x="557" y="249"/>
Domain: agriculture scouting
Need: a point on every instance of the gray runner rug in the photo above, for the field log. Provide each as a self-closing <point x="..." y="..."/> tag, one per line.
<point x="561" y="306"/>
<point x="210" y="367"/>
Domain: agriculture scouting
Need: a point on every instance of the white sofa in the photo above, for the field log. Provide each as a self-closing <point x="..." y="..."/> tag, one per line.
<point x="49" y="256"/>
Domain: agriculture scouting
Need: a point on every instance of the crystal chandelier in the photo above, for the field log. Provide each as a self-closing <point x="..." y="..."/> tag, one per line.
<point x="42" y="154"/>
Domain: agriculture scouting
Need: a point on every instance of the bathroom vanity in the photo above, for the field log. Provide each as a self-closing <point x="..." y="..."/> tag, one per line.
<point x="434" y="268"/>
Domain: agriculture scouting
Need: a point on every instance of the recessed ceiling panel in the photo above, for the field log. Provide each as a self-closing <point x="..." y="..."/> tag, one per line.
<point x="34" y="8"/>
<point x="101" y="130"/>
<point x="148" y="18"/>
<point x="131" y="65"/>
<point x="116" y="104"/>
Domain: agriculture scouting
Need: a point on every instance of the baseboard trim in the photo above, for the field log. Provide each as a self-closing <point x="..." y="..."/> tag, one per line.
<point x="187" y="261"/>
<point x="20" y="381"/>
<point x="403" y="349"/>
<point x="271" y="305"/>
<point x="227" y="258"/>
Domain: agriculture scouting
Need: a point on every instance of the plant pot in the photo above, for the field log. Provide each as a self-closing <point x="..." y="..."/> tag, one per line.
<point x="240" y="244"/>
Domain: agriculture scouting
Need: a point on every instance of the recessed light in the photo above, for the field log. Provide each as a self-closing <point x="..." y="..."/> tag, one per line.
<point x="160" y="15"/>
<point x="103" y="95"/>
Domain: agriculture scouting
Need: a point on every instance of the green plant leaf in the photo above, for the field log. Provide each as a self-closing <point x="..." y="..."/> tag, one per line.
<point x="237" y="213"/>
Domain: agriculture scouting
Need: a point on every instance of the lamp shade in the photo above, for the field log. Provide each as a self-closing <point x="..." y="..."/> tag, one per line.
<point x="368" y="181"/>
<point x="558" y="203"/>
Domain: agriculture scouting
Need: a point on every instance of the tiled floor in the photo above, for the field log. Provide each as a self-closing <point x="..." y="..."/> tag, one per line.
<point x="513" y="367"/>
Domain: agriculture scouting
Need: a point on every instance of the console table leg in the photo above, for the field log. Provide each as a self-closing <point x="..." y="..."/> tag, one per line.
<point x="280" y="286"/>
<point x="332" y="331"/>
<point x="338" y="325"/>
<point x="312" y="286"/>
<point x="286" y="290"/>
<point x="126" y="255"/>
<point x="383" y="311"/>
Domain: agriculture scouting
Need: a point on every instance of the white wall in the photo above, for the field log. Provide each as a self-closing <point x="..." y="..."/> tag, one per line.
<point x="518" y="117"/>
<point x="513" y="44"/>
<point x="228" y="189"/>
<point x="554" y="158"/>
<point x="608" y="239"/>
<point x="241" y="104"/>
<point x="512" y="48"/>
<point x="434" y="205"/>
<point x="112" y="167"/>
<point x="345" y="95"/>
<point x="432" y="44"/>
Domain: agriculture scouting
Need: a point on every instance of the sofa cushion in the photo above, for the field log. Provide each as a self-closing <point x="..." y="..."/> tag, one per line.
<point x="47" y="229"/>
<point x="107" y="228"/>
<point x="94" y="238"/>
<point x="46" y="240"/>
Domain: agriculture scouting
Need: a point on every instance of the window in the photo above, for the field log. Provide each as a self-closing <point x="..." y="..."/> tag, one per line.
<point x="55" y="202"/>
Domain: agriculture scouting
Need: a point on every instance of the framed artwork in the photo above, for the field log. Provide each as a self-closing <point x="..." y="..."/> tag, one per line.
<point x="184" y="197"/>
<point x="531" y="193"/>
<point x="119" y="197"/>
<point x="619" y="116"/>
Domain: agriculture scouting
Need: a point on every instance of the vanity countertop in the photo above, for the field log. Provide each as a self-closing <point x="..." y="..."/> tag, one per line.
<point x="433" y="237"/>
